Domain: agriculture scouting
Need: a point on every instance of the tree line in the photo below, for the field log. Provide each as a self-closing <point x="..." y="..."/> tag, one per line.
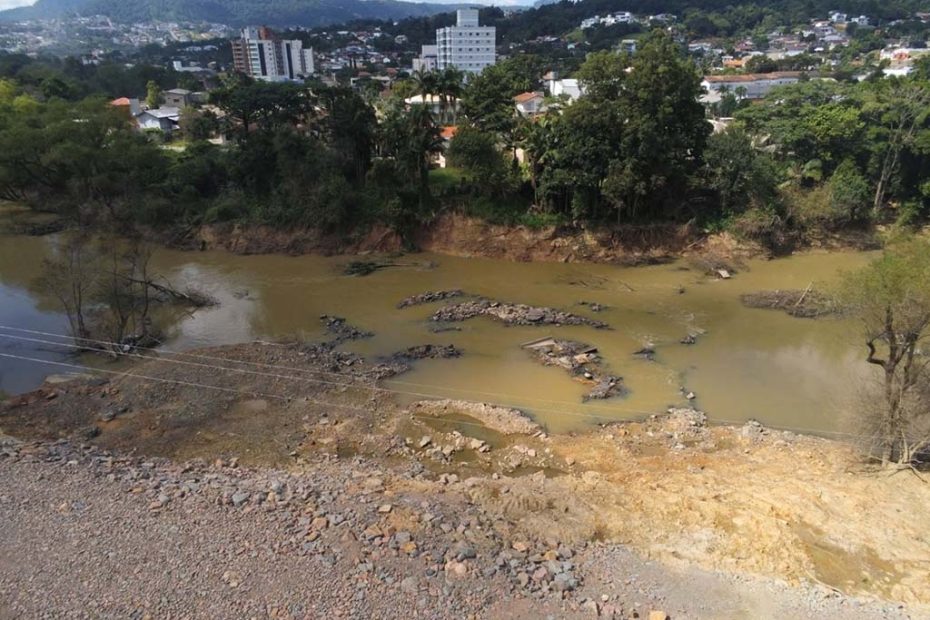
<point x="636" y="148"/>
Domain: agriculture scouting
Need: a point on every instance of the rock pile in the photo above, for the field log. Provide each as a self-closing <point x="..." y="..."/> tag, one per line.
<point x="582" y="362"/>
<point x="400" y="362"/>
<point x="429" y="297"/>
<point x="512" y="314"/>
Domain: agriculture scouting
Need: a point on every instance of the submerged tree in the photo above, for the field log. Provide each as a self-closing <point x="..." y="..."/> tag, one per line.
<point x="71" y="276"/>
<point x="891" y="298"/>
<point x="107" y="290"/>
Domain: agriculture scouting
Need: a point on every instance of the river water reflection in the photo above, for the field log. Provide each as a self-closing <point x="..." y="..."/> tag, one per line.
<point x="746" y="364"/>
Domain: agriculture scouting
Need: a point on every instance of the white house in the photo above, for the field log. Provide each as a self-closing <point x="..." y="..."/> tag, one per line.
<point x="428" y="59"/>
<point x="163" y="119"/>
<point x="433" y="101"/>
<point x="571" y="88"/>
<point x="529" y="103"/>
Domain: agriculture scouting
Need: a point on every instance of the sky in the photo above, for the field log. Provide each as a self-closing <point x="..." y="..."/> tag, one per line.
<point x="9" y="4"/>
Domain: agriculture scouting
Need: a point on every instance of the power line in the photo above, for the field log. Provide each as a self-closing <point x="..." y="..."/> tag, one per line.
<point x="213" y="387"/>
<point x="353" y="408"/>
<point x="117" y="346"/>
<point x="588" y="416"/>
<point x="127" y="373"/>
<point x="306" y="379"/>
<point x="322" y="381"/>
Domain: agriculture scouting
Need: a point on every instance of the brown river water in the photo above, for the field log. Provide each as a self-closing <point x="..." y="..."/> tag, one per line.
<point x="747" y="363"/>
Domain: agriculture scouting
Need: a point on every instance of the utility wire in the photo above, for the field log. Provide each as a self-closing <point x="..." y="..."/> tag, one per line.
<point x="371" y="387"/>
<point x="116" y="346"/>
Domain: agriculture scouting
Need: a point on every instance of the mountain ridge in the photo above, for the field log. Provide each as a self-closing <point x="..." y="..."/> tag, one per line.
<point x="308" y="13"/>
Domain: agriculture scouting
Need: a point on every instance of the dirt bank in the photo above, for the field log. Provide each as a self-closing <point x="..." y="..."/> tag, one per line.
<point x="745" y="502"/>
<point x="459" y="235"/>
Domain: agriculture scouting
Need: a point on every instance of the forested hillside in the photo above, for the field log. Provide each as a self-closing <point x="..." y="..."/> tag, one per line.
<point x="231" y="12"/>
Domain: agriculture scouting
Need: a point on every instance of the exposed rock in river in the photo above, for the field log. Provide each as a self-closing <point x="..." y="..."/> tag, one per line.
<point x="806" y="304"/>
<point x="512" y="314"/>
<point x="429" y="297"/>
<point x="581" y="361"/>
<point x="399" y="362"/>
<point x="343" y="330"/>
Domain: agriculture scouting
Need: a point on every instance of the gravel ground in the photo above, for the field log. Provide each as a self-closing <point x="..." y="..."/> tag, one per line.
<point x="86" y="534"/>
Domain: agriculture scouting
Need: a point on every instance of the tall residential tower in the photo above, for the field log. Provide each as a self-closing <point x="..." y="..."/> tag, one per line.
<point x="261" y="54"/>
<point x="466" y="46"/>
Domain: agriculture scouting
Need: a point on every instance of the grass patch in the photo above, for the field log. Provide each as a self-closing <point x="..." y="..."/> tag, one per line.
<point x="443" y="179"/>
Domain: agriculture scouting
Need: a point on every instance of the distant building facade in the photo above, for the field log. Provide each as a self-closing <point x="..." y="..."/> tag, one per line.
<point x="428" y="60"/>
<point x="259" y="53"/>
<point x="467" y="46"/>
<point x="751" y="85"/>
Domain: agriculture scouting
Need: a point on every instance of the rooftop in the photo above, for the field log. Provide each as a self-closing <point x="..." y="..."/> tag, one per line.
<point x="753" y="77"/>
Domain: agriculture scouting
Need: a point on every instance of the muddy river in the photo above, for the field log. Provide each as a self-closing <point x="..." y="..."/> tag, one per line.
<point x="746" y="363"/>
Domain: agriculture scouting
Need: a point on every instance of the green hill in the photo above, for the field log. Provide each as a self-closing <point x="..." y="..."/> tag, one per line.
<point x="231" y="12"/>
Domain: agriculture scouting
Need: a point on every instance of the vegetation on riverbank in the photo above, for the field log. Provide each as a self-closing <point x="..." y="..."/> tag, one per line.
<point x="635" y="150"/>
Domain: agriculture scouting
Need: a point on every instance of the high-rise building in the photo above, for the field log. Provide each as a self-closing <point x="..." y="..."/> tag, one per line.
<point x="261" y="54"/>
<point x="467" y="46"/>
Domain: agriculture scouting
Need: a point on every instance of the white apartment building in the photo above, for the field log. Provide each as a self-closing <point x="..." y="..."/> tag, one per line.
<point x="467" y="46"/>
<point x="428" y="59"/>
<point x="262" y="55"/>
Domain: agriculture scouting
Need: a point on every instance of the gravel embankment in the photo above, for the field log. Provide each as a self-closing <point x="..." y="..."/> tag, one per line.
<point x="89" y="535"/>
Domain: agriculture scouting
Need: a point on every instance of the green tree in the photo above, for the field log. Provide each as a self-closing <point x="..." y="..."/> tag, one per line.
<point x="664" y="132"/>
<point x="197" y="125"/>
<point x="741" y="176"/>
<point x="603" y="74"/>
<point x="849" y="194"/>
<point x="153" y="96"/>
<point x="475" y="151"/>
<point x="891" y="299"/>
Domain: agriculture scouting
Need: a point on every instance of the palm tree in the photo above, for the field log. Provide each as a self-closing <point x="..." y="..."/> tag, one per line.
<point x="534" y="138"/>
<point x="423" y="141"/>
<point x="426" y="83"/>
<point x="449" y="86"/>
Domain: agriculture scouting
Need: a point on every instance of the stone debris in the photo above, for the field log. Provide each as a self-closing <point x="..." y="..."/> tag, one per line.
<point x="429" y="297"/>
<point x="512" y="314"/>
<point x="400" y="362"/>
<point x="805" y="304"/>
<point x="581" y="361"/>
<point x="341" y="330"/>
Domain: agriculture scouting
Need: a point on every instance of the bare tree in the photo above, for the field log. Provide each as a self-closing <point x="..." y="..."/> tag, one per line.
<point x="108" y="291"/>
<point x="891" y="298"/>
<point x="71" y="275"/>
<point x="124" y="293"/>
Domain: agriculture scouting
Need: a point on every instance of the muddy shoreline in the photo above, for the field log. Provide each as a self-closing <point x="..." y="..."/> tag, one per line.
<point x="735" y="499"/>
<point x="458" y="235"/>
